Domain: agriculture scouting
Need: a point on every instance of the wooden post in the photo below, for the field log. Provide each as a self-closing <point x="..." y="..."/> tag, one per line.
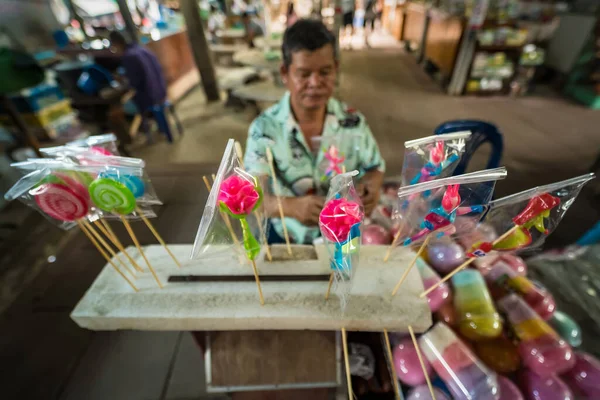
<point x="200" y="49"/>
<point x="130" y="27"/>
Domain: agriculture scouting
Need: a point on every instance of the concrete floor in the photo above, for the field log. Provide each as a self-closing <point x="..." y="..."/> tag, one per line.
<point x="46" y="356"/>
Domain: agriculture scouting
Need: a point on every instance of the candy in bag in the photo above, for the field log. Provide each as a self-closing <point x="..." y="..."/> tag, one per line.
<point x="102" y="144"/>
<point x="522" y="221"/>
<point x="444" y="206"/>
<point x="340" y="222"/>
<point x="432" y="157"/>
<point x="61" y="201"/>
<point x="233" y="219"/>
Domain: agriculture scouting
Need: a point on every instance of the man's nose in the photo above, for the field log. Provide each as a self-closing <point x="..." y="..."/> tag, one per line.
<point x="314" y="79"/>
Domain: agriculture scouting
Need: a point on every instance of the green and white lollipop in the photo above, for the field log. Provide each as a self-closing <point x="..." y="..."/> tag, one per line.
<point x="112" y="196"/>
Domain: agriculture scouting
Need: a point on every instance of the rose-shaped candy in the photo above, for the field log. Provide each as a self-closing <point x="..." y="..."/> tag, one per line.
<point x="337" y="218"/>
<point x="239" y="195"/>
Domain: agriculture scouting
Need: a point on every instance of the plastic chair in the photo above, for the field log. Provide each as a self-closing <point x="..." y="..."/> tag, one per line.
<point x="159" y="113"/>
<point x="481" y="132"/>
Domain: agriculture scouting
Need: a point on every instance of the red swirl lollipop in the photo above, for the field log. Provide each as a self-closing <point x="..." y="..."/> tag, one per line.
<point x="61" y="202"/>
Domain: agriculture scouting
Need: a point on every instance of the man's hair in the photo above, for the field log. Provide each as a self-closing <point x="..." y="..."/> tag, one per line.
<point x="117" y="38"/>
<point x="306" y="34"/>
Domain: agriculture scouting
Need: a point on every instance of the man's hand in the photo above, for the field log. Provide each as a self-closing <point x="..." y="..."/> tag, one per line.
<point x="369" y="189"/>
<point x="305" y="209"/>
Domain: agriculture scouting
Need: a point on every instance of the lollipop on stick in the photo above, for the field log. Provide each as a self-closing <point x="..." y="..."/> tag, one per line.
<point x="277" y="194"/>
<point x="113" y="196"/>
<point x="418" y="350"/>
<point x="110" y="250"/>
<point x="340" y="223"/>
<point x="426" y="159"/>
<point x="239" y="197"/>
<point x="71" y="204"/>
<point x="439" y="203"/>
<point x="240" y="155"/>
<point x="541" y="208"/>
<point x="105" y="228"/>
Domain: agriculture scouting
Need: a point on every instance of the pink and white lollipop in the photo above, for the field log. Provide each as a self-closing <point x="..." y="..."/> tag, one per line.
<point x="61" y="202"/>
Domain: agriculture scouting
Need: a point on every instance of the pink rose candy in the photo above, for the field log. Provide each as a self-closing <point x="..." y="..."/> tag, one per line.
<point x="337" y="217"/>
<point x="238" y="194"/>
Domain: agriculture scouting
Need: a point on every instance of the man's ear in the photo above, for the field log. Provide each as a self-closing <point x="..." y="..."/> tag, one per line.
<point x="283" y="71"/>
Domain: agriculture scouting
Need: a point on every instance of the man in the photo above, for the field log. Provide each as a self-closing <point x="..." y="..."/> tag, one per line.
<point x="295" y="127"/>
<point x="252" y="28"/>
<point x="348" y="9"/>
<point x="143" y="72"/>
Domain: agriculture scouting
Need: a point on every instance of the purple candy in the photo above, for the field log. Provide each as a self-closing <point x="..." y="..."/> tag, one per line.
<point x="444" y="256"/>
<point x="508" y="390"/>
<point x="584" y="377"/>
<point x="422" y="393"/>
<point x="535" y="387"/>
<point x="473" y="383"/>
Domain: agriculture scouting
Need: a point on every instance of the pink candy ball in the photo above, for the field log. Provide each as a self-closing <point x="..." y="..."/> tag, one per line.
<point x="375" y="234"/>
<point x="407" y="364"/>
<point x="535" y="387"/>
<point x="508" y="390"/>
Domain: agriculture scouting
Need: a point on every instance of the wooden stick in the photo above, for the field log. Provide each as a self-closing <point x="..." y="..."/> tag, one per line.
<point x="277" y="195"/>
<point x="405" y="274"/>
<point x="467" y="263"/>
<point x="227" y="221"/>
<point x="347" y="363"/>
<point x="257" y="278"/>
<point x="414" y="339"/>
<point x="258" y="214"/>
<point x="137" y="245"/>
<point x="390" y="357"/>
<point x="329" y="286"/>
<point x="95" y="243"/>
<point x="389" y="251"/>
<point x="113" y="238"/>
<point x="157" y="236"/>
<point x="100" y="239"/>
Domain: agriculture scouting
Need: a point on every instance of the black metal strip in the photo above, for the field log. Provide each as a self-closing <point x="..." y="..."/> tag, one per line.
<point x="249" y="278"/>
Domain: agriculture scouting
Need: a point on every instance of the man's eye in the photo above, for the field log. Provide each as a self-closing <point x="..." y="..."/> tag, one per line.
<point x="325" y="72"/>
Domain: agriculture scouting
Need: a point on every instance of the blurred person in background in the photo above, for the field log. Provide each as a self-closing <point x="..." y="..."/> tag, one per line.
<point x="295" y="128"/>
<point x="252" y="27"/>
<point x="348" y="8"/>
<point x="216" y="22"/>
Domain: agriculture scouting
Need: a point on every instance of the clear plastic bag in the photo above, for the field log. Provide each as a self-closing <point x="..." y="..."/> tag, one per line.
<point x="89" y="167"/>
<point x="230" y="221"/>
<point x="103" y="144"/>
<point x="340" y="223"/>
<point x="523" y="220"/>
<point x="61" y="200"/>
<point x="432" y="157"/>
<point x="447" y="206"/>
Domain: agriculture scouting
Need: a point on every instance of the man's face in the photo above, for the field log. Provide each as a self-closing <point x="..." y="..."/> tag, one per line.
<point x="310" y="78"/>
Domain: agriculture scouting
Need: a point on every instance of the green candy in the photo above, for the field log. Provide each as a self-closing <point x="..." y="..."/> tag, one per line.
<point x="566" y="327"/>
<point x="112" y="196"/>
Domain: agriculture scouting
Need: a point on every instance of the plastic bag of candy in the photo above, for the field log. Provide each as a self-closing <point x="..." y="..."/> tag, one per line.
<point x="233" y="219"/>
<point x="441" y="207"/>
<point x="340" y="222"/>
<point x="432" y="157"/>
<point x="102" y="144"/>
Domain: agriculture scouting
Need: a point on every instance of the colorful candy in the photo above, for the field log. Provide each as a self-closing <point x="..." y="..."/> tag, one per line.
<point x="112" y="196"/>
<point x="508" y="390"/>
<point x="375" y="234"/>
<point x="407" y="364"/>
<point x="499" y="354"/>
<point x="445" y="255"/>
<point x="133" y="183"/>
<point x="441" y="294"/>
<point x="447" y="313"/>
<point x="465" y="376"/>
<point x="566" y="327"/>
<point x="584" y="377"/>
<point x="422" y="392"/>
<point x="477" y="317"/>
<point x="536" y="387"/>
<point x="517" y="264"/>
<point x="502" y="280"/>
<point x="541" y="349"/>
<point x="61" y="202"/>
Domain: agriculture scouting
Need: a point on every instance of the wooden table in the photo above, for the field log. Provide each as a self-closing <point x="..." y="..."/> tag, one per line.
<point x="266" y="91"/>
<point x="256" y="58"/>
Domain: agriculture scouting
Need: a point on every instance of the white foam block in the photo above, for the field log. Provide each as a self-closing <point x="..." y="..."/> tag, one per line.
<point x="111" y="304"/>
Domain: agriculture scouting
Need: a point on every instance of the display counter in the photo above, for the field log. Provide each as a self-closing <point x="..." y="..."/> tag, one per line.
<point x="414" y="24"/>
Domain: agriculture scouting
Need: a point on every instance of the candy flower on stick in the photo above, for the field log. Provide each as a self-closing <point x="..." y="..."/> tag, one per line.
<point x="340" y="224"/>
<point x="335" y="161"/>
<point x="436" y="205"/>
<point x="238" y="197"/>
<point x="525" y="219"/>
